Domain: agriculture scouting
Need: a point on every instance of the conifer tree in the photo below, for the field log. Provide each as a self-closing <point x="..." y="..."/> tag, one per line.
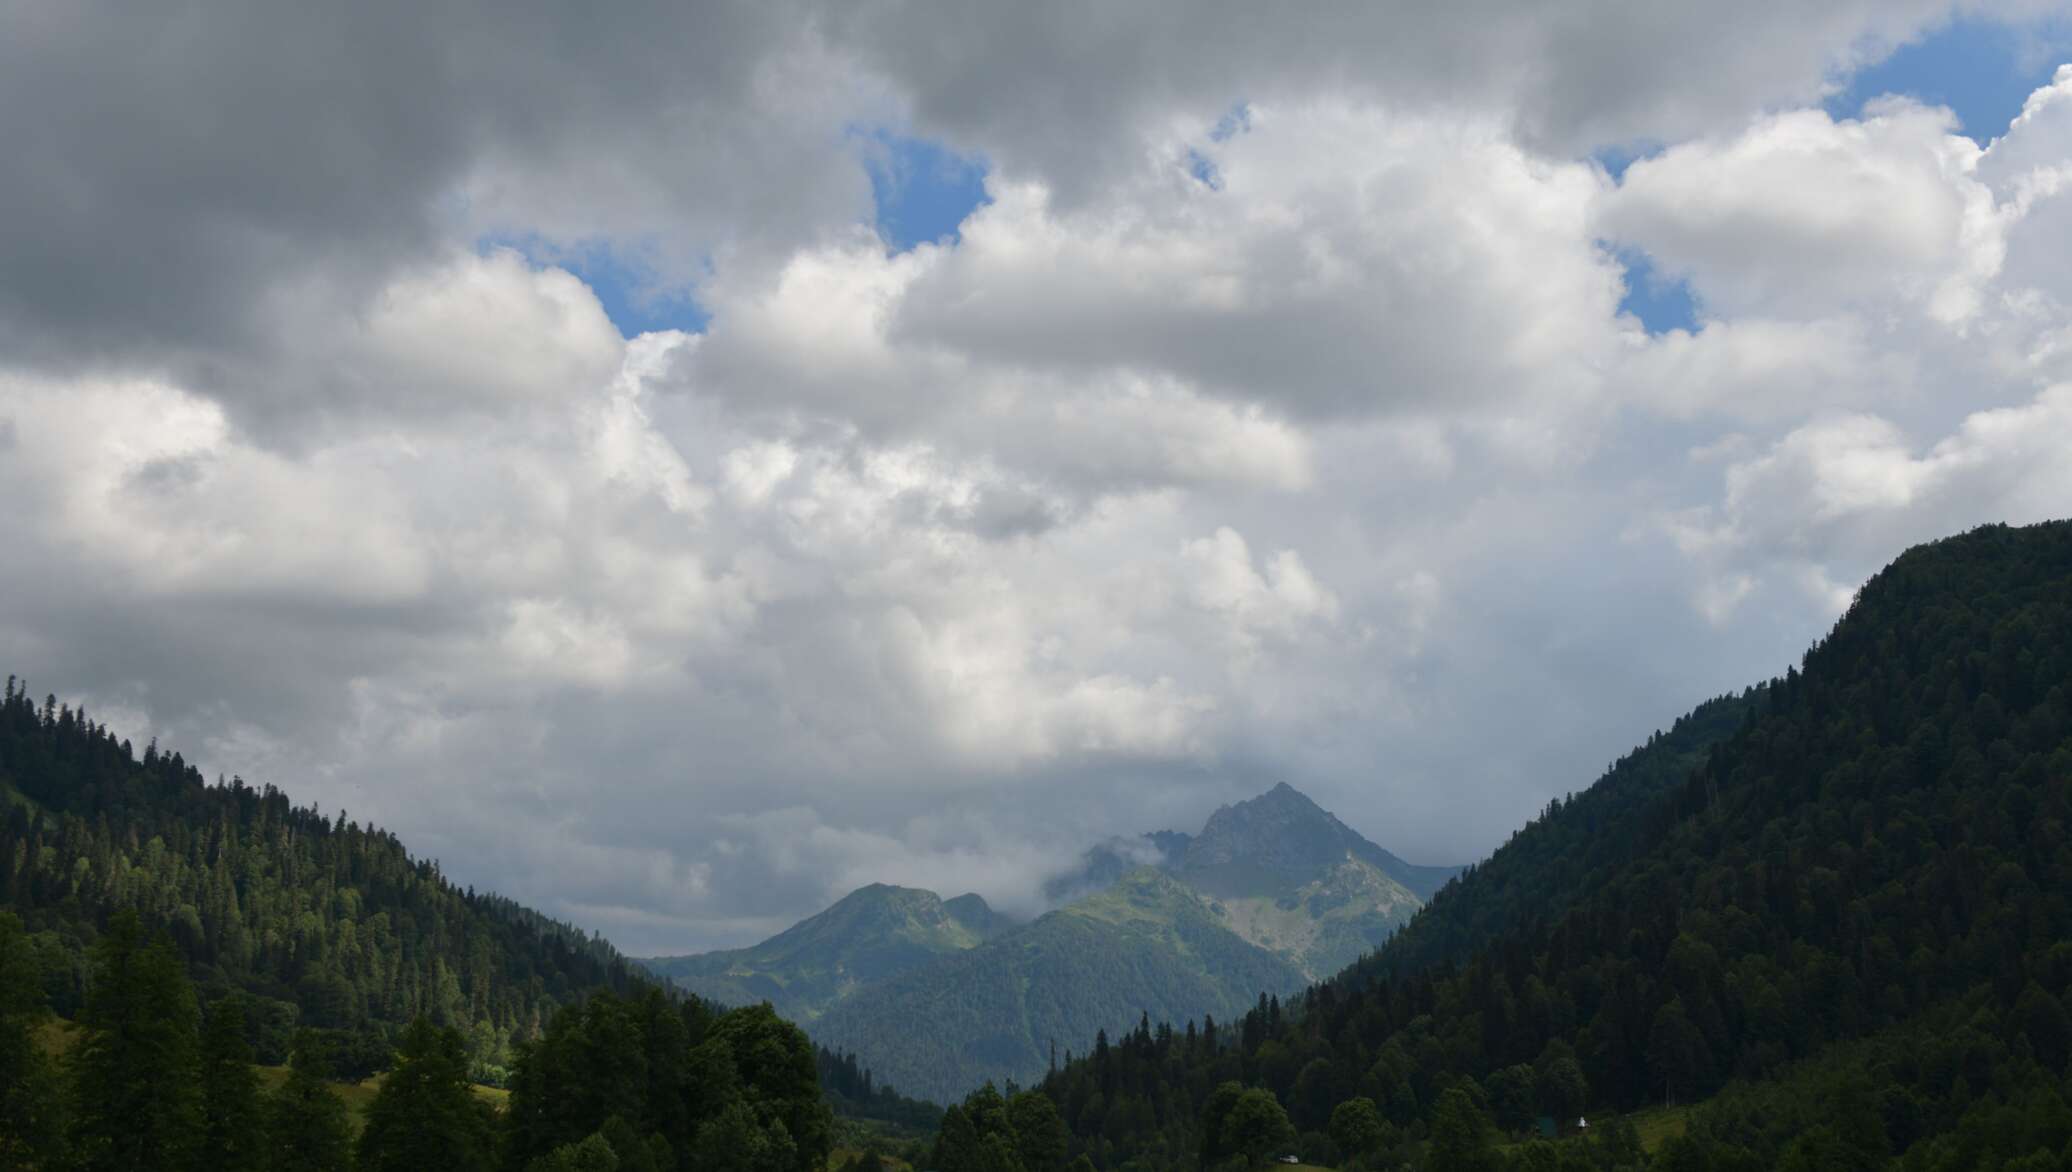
<point x="426" y="1115"/>
<point x="31" y="1106"/>
<point x="307" y="1129"/>
<point x="233" y="1130"/>
<point x="136" y="1086"/>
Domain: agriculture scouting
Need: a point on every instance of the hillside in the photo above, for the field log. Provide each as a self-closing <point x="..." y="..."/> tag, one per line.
<point x="325" y="922"/>
<point x="1144" y="945"/>
<point x="871" y="934"/>
<point x="1569" y="849"/>
<point x="1850" y="912"/>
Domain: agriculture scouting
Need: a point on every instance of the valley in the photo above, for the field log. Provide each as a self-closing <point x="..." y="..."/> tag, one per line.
<point x="1818" y="923"/>
<point x="939" y="996"/>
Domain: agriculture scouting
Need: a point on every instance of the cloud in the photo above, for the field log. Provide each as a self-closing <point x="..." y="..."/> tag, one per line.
<point x="1065" y="93"/>
<point x="1813" y="217"/>
<point x="1827" y="503"/>
<point x="1303" y="444"/>
<point x="1350" y="261"/>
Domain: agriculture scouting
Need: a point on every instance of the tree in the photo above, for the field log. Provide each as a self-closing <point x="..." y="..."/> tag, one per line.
<point x="1040" y="1138"/>
<point x="1561" y="1087"/>
<point x="307" y="1128"/>
<point x="2041" y="1019"/>
<point x="31" y="1102"/>
<point x="1257" y="1126"/>
<point x="1677" y="1052"/>
<point x="956" y="1141"/>
<point x="233" y="1135"/>
<point x="1215" y="1112"/>
<point x="1512" y="1091"/>
<point x="1460" y="1134"/>
<point x="996" y="1154"/>
<point x="590" y="1154"/>
<point x="1357" y="1128"/>
<point x="425" y="1115"/>
<point x="774" y="1063"/>
<point x="136" y="1087"/>
<point x="737" y="1138"/>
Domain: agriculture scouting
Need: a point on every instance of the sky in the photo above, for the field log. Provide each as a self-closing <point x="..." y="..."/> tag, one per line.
<point x="676" y="463"/>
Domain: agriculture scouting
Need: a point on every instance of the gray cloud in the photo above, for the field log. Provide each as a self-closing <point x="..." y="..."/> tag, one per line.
<point x="936" y="567"/>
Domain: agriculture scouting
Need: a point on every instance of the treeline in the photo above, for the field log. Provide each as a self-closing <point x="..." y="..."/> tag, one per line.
<point x="321" y="935"/>
<point x="615" y="1084"/>
<point x="1847" y="930"/>
<point x="853" y="1091"/>
<point x="322" y="922"/>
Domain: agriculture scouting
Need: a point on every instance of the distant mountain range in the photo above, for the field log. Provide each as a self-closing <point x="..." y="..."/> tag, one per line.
<point x="871" y="934"/>
<point x="940" y="995"/>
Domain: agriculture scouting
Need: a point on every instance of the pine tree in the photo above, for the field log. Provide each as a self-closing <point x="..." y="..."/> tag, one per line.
<point x="426" y="1115"/>
<point x="136" y="1085"/>
<point x="307" y="1129"/>
<point x="31" y="1104"/>
<point x="233" y="1130"/>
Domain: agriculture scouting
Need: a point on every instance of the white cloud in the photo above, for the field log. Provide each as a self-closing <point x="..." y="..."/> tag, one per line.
<point x="1831" y="500"/>
<point x="1803" y="215"/>
<point x="1202" y="460"/>
<point x="1349" y="261"/>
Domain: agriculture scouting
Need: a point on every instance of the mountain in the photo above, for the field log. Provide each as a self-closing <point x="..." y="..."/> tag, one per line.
<point x="1289" y="877"/>
<point x="1147" y="944"/>
<point x="937" y="996"/>
<point x="1281" y="840"/>
<point x="1106" y="862"/>
<point x="872" y="933"/>
<point x="1830" y="912"/>
<point x="1282" y="873"/>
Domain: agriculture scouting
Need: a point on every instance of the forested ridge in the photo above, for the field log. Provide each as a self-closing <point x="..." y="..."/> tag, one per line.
<point x="1007" y="1008"/>
<point x="1844" y="931"/>
<point x="191" y="932"/>
<point x="323" y="922"/>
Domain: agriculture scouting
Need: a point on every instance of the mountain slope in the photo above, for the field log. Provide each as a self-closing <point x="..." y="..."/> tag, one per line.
<point x="870" y="934"/>
<point x="1288" y="876"/>
<point x="1546" y="865"/>
<point x="1145" y="945"/>
<point x="1878" y="853"/>
<point x="325" y="922"/>
<point x="1105" y="862"/>
<point x="1282" y="840"/>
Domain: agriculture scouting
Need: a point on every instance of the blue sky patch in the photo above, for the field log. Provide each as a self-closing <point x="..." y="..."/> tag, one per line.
<point x="1235" y="121"/>
<point x="631" y="291"/>
<point x="1615" y="159"/>
<point x="1661" y="303"/>
<point x="1982" y="70"/>
<point x="923" y="190"/>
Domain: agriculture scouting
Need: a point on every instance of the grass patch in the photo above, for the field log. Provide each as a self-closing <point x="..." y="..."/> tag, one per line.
<point x="358" y="1096"/>
<point x="841" y="1157"/>
<point x="1659" y="1125"/>
<point x="56" y="1037"/>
